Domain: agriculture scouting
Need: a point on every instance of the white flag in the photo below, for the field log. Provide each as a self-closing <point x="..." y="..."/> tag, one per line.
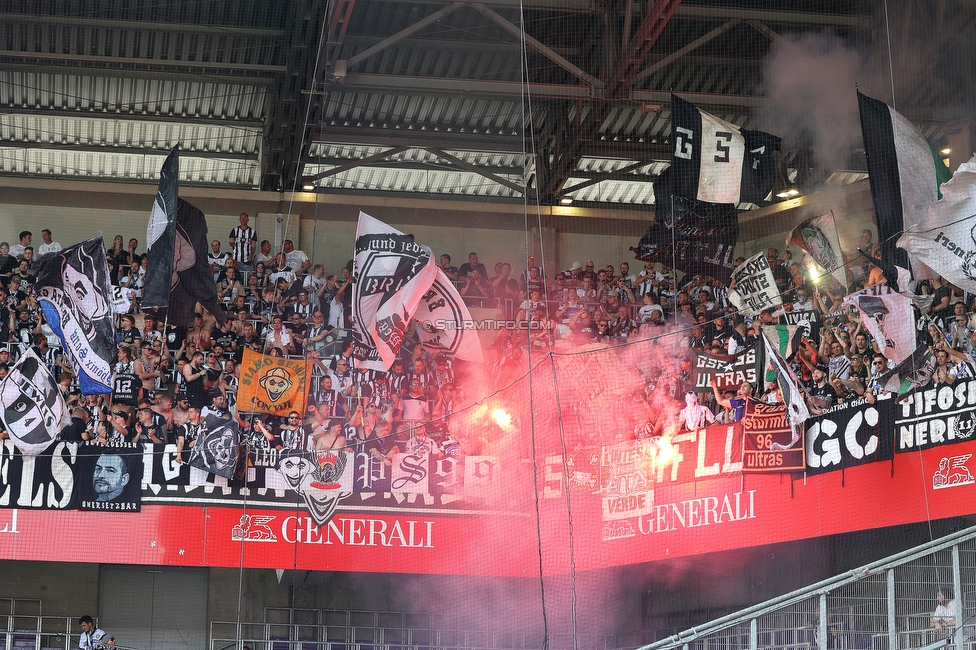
<point x="889" y="318"/>
<point x="445" y="324"/>
<point x="34" y="409"/>
<point x="753" y="288"/>
<point x="392" y="273"/>
<point x="945" y="240"/>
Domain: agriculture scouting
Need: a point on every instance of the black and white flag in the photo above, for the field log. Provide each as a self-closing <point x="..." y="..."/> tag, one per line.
<point x="392" y="273"/>
<point x="905" y="173"/>
<point x="74" y="292"/>
<point x="217" y="447"/>
<point x="444" y="322"/>
<point x="753" y="288"/>
<point x="194" y="280"/>
<point x="716" y="161"/>
<point x="890" y="319"/>
<point x="161" y="234"/>
<point x="34" y="409"/>
<point x="789" y="385"/>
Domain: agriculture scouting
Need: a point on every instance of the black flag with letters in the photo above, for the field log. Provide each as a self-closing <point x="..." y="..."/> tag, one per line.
<point x="691" y="236"/>
<point x="717" y="162"/>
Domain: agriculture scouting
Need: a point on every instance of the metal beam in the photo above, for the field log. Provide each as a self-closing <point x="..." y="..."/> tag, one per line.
<point x="352" y="165"/>
<point x="538" y="46"/>
<point x="114" y="72"/>
<point x="132" y="151"/>
<point x="648" y="32"/>
<point x="143" y="63"/>
<point x="522" y="189"/>
<point x="791" y="17"/>
<point x="695" y="44"/>
<point x="404" y="33"/>
<point x="95" y="114"/>
<point x="599" y="178"/>
<point x="415" y="137"/>
<point x="426" y="85"/>
<point x="760" y="27"/>
<point x="61" y="19"/>
<point x="651" y="152"/>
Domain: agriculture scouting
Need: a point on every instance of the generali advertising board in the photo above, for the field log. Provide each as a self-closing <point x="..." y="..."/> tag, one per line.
<point x="630" y="502"/>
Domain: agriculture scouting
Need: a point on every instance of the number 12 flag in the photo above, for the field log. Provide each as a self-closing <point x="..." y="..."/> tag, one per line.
<point x="716" y="161"/>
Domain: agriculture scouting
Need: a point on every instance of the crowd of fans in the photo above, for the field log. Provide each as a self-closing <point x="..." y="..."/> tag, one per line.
<point x="169" y="379"/>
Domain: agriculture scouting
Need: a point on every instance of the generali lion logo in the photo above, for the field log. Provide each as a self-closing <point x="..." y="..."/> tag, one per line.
<point x="253" y="529"/>
<point x="952" y="472"/>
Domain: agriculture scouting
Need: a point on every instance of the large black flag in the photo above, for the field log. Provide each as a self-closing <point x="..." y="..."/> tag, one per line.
<point x="194" y="279"/>
<point x="217" y="447"/>
<point x="161" y="234"/>
<point x="73" y="289"/>
<point x="691" y="236"/>
<point x="716" y="161"/>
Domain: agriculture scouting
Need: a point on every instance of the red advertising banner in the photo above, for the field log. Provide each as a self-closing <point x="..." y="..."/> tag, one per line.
<point x="477" y="515"/>
<point x="768" y="441"/>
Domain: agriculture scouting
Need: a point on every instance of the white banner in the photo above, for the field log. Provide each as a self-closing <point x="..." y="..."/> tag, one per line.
<point x="753" y="288"/>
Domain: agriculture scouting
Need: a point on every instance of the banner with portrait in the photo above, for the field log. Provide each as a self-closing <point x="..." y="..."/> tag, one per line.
<point x="74" y="292"/>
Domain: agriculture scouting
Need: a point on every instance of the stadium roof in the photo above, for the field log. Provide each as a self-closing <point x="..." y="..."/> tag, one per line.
<point x="402" y="97"/>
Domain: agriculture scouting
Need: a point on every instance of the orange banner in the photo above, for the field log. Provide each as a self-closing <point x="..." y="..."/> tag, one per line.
<point x="273" y="384"/>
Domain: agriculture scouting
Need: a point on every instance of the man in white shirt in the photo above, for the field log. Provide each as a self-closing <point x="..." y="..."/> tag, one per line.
<point x="295" y="259"/>
<point x="49" y="246"/>
<point x="91" y="636"/>
<point x="17" y="250"/>
<point x="217" y="260"/>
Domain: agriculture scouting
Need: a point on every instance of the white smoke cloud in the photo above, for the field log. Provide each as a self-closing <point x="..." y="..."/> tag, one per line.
<point x="809" y="81"/>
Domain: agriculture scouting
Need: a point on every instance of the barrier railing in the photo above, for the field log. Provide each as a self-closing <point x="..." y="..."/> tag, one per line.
<point x="884" y="605"/>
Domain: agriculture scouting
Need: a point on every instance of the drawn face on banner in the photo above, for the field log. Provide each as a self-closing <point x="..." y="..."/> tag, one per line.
<point x="218" y="450"/>
<point x="276" y="383"/>
<point x="819" y="247"/>
<point x="110" y="477"/>
<point x="79" y="278"/>
<point x="305" y="473"/>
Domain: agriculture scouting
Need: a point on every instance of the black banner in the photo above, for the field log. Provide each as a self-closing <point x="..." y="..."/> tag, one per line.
<point x="195" y="281"/>
<point x="691" y="236"/>
<point x="728" y="372"/>
<point x="936" y="417"/>
<point x="850" y="434"/>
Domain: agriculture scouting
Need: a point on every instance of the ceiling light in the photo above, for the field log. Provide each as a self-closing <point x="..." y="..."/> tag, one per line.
<point x="566" y="200"/>
<point x="788" y="193"/>
<point x="308" y="187"/>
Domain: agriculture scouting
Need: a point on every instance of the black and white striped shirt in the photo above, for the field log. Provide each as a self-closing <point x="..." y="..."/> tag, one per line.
<point x="243" y="237"/>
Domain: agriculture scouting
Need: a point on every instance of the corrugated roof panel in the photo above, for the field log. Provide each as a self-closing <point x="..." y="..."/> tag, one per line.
<point x="117" y="166"/>
<point x="109" y="132"/>
<point x="227" y="100"/>
<point x="430" y="181"/>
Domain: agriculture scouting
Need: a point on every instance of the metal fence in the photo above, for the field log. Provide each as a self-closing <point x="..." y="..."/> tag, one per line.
<point x="884" y="605"/>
